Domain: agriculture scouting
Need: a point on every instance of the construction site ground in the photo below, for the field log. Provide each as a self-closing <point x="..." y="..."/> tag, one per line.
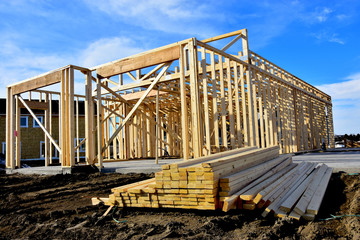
<point x="347" y="160"/>
<point x="59" y="207"/>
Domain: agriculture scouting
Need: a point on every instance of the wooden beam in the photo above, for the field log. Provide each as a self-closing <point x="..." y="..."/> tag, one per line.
<point x="138" y="95"/>
<point x="226" y="35"/>
<point x="138" y="62"/>
<point x="37" y="82"/>
<point x="314" y="205"/>
<point x="184" y="105"/>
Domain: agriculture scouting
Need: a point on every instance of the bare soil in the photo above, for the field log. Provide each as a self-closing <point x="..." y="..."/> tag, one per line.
<point x="59" y="207"/>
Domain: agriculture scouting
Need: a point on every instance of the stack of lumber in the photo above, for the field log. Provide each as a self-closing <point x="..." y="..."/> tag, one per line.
<point x="246" y="178"/>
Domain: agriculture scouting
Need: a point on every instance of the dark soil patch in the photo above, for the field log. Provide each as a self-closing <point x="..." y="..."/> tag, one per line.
<point x="59" y="207"/>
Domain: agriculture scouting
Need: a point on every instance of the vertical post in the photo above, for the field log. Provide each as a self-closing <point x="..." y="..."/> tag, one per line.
<point x="77" y="130"/>
<point x="243" y="106"/>
<point x="195" y="100"/>
<point x="230" y="103"/>
<point x="67" y="119"/>
<point x="237" y="105"/>
<point x="47" y="126"/>
<point x="255" y="111"/>
<point x="250" y="106"/>
<point x="270" y="112"/>
<point x="157" y="128"/>
<point x="223" y="104"/>
<point x="184" y="106"/>
<point x="148" y="135"/>
<point x="261" y="109"/>
<point x="89" y="120"/>
<point x="206" y="102"/>
<point x="245" y="45"/>
<point x="99" y="126"/>
<point x="214" y="102"/>
<point x="115" y="141"/>
<point x="126" y="134"/>
<point x="62" y="116"/>
<point x="71" y="130"/>
<point x="18" y="132"/>
<point x="331" y="126"/>
<point x="50" y="129"/>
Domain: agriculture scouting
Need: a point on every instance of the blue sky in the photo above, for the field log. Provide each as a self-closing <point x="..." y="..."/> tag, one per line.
<point x="317" y="41"/>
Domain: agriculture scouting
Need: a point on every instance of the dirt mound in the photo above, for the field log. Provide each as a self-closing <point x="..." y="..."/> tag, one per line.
<point x="60" y="207"/>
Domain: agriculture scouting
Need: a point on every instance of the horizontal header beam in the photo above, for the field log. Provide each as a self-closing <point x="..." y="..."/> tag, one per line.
<point x="38" y="82"/>
<point x="137" y="62"/>
<point x="227" y="35"/>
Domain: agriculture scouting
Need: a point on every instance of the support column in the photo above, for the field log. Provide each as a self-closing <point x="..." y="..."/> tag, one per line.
<point x="18" y="132"/>
<point x="195" y="100"/>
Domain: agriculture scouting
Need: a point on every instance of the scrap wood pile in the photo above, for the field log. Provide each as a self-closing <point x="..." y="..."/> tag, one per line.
<point x="245" y="178"/>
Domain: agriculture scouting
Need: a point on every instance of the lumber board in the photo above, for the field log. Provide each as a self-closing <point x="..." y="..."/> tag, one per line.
<point x="232" y="200"/>
<point x="301" y="206"/>
<point x="291" y="187"/>
<point x="38" y="81"/>
<point x="300" y="173"/>
<point x="97" y="200"/>
<point x="276" y="183"/>
<point x="251" y="193"/>
<point x="261" y="168"/>
<point x="242" y="182"/>
<point x="284" y="166"/>
<point x="211" y="157"/>
<point x="316" y="200"/>
<point x="125" y="187"/>
<point x="233" y="167"/>
<point x="137" y="62"/>
<point x="294" y="215"/>
<point x="227" y="160"/>
<point x="309" y="216"/>
<point x="287" y="205"/>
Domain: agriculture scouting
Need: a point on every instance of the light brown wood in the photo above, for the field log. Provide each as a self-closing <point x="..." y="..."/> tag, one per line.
<point x="252" y="101"/>
<point x="317" y="198"/>
<point x="138" y="62"/>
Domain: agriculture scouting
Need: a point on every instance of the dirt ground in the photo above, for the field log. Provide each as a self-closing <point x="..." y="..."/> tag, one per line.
<point x="59" y="207"/>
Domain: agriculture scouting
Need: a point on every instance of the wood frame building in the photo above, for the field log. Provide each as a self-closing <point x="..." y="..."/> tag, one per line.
<point x="188" y="99"/>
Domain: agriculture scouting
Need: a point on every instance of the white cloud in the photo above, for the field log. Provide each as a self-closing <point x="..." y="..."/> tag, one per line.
<point x="108" y="49"/>
<point x="328" y="37"/>
<point x="18" y="63"/>
<point x="323" y="15"/>
<point x="349" y="89"/>
<point x="346" y="103"/>
<point x="176" y="16"/>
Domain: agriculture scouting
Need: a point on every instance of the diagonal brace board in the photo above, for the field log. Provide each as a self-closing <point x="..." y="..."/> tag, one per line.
<point x="40" y="124"/>
<point x="136" y="105"/>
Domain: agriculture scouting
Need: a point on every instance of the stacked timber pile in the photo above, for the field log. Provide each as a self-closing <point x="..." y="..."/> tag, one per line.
<point x="245" y="178"/>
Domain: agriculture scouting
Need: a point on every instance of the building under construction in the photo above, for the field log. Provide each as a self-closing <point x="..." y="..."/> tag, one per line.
<point x="185" y="100"/>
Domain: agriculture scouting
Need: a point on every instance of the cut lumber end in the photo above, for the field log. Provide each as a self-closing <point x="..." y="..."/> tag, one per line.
<point x="295" y="215"/>
<point x="247" y="197"/>
<point x="97" y="200"/>
<point x="257" y="198"/>
<point x="266" y="212"/>
<point x="309" y="217"/>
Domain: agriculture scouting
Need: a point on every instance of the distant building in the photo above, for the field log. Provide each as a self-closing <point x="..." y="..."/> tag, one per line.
<point x="33" y="136"/>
